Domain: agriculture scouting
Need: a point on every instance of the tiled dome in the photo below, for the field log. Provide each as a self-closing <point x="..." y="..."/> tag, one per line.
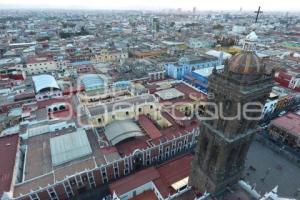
<point x="245" y="63"/>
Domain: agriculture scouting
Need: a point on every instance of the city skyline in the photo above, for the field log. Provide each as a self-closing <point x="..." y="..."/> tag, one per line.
<point x="268" y="5"/>
<point x="155" y="100"/>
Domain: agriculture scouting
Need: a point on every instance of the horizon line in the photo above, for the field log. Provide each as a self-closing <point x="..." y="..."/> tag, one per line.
<point x="78" y="8"/>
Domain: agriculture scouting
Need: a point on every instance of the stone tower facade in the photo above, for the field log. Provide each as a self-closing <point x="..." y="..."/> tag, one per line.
<point x="224" y="140"/>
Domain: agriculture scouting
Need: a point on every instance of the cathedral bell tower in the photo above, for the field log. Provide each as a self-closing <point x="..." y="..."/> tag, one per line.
<point x="239" y="92"/>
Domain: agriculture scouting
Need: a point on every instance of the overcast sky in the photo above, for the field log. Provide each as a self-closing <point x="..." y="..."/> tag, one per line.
<point x="284" y="5"/>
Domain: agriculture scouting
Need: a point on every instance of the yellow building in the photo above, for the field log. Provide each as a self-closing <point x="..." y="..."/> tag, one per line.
<point x="127" y="108"/>
<point x="109" y="56"/>
<point x="146" y="53"/>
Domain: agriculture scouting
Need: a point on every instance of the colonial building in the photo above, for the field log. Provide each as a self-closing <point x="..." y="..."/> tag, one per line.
<point x="225" y="139"/>
<point x="40" y="65"/>
<point x="286" y="129"/>
<point x="144" y="53"/>
<point x="188" y="64"/>
<point x="103" y="165"/>
<point x="128" y="108"/>
<point x="106" y="55"/>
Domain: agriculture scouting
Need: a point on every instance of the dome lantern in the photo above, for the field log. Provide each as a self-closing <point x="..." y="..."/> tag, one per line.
<point x="246" y="62"/>
<point x="250" y="42"/>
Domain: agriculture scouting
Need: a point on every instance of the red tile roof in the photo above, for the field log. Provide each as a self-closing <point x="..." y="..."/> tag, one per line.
<point x="162" y="176"/>
<point x="175" y="170"/>
<point x="162" y="187"/>
<point x="190" y="95"/>
<point x="149" y="127"/>
<point x="178" y="128"/>
<point x="190" y="92"/>
<point x="25" y="95"/>
<point x="289" y="122"/>
<point x="32" y="60"/>
<point x="131" y="182"/>
<point x="64" y="114"/>
<point x="171" y="172"/>
<point x="8" y="150"/>
<point x="126" y="147"/>
<point x="48" y="102"/>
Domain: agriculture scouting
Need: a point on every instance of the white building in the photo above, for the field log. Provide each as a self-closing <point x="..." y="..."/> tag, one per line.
<point x="46" y="87"/>
<point x="39" y="66"/>
<point x="200" y="43"/>
<point x="219" y="54"/>
<point x="239" y="29"/>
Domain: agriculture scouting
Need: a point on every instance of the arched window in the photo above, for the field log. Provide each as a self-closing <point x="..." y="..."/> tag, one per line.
<point x="203" y="146"/>
<point x="242" y="152"/>
<point x="213" y="157"/>
<point x="227" y="104"/>
<point x="231" y="158"/>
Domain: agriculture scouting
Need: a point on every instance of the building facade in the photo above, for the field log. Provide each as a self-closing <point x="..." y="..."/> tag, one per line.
<point x="128" y="108"/>
<point x="109" y="56"/>
<point x="286" y="129"/>
<point x="186" y="65"/>
<point x="40" y="66"/>
<point x="46" y="87"/>
<point x="97" y="176"/>
<point x="196" y="43"/>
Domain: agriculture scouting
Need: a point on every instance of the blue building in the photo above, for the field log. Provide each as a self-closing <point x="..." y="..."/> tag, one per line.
<point x="122" y="84"/>
<point x="199" y="78"/>
<point x="93" y="82"/>
<point x="187" y="64"/>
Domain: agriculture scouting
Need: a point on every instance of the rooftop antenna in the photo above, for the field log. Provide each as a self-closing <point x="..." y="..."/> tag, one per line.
<point x="257" y="14"/>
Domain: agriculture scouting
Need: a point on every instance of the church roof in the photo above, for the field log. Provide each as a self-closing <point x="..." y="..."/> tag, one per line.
<point x="245" y="63"/>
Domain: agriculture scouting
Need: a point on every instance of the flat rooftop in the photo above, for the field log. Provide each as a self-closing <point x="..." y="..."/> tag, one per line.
<point x="167" y="94"/>
<point x="121" y="104"/>
<point x="187" y="93"/>
<point x="289" y="122"/>
<point x="206" y="72"/>
<point x="8" y="151"/>
<point x="69" y="147"/>
<point x="39" y="170"/>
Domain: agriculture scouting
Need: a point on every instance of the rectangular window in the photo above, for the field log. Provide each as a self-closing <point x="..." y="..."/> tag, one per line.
<point x="72" y="182"/>
<point x="126" y="171"/>
<point x="52" y="194"/>
<point x="68" y="189"/>
<point x="34" y="197"/>
<point x="91" y="180"/>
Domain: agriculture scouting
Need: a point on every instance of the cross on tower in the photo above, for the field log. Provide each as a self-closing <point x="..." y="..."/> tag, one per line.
<point x="257" y="13"/>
